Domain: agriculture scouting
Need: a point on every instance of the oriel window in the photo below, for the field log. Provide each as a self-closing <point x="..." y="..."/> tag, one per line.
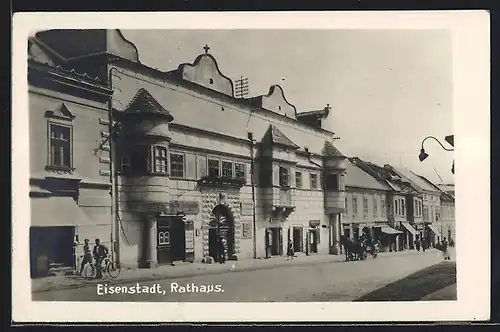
<point x="284" y="176"/>
<point x="314" y="181"/>
<point x="60" y="146"/>
<point x="160" y="159"/>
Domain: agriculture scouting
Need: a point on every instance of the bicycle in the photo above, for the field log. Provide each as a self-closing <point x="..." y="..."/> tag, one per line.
<point x="107" y="266"/>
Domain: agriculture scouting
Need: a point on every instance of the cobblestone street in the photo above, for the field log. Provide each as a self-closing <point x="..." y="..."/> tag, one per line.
<point x="340" y="281"/>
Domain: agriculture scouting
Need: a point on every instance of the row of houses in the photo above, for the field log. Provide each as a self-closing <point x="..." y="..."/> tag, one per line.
<point x="412" y="206"/>
<point x="160" y="165"/>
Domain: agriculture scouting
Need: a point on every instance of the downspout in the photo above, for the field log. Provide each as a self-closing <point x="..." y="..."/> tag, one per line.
<point x="115" y="235"/>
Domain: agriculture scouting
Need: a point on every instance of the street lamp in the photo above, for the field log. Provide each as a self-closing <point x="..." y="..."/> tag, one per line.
<point x="450" y="139"/>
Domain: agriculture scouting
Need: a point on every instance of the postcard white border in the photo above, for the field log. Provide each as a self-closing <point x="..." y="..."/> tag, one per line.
<point x="471" y="68"/>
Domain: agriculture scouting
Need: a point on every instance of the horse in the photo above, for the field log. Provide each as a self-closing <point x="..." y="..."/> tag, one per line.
<point x="353" y="250"/>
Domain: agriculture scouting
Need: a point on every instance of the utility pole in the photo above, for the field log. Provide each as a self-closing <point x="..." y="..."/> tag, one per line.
<point x="241" y="87"/>
<point x="252" y="180"/>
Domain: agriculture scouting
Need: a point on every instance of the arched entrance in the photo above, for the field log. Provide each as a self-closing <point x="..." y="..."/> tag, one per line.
<point x="221" y="225"/>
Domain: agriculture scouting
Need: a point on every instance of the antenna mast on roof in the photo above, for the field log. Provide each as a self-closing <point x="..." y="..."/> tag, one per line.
<point x="241" y="87"/>
<point x="440" y="178"/>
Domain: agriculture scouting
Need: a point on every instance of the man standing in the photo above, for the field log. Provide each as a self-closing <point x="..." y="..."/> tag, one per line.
<point x="87" y="256"/>
<point x="100" y="252"/>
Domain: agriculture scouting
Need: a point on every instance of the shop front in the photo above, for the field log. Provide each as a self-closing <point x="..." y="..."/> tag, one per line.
<point x="410" y="235"/>
<point x="167" y="235"/>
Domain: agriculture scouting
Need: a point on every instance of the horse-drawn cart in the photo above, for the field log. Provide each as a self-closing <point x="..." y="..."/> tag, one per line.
<point x="355" y="251"/>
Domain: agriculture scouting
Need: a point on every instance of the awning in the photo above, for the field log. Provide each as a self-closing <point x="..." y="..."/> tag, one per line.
<point x="389" y="230"/>
<point x="409" y="228"/>
<point x="37" y="190"/>
<point x="57" y="211"/>
<point x="433" y="229"/>
<point x="334" y="210"/>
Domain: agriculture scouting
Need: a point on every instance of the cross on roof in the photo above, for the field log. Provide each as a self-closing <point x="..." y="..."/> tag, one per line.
<point x="206" y="48"/>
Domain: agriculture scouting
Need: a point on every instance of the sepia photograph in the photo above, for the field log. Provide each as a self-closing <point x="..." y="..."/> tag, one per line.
<point x="212" y="165"/>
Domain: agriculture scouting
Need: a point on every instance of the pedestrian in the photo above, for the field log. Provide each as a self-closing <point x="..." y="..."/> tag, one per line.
<point x="424" y="244"/>
<point x="100" y="252"/>
<point x="290" y="251"/>
<point x="87" y="256"/>
<point x="446" y="253"/>
<point x="222" y="250"/>
<point x="417" y="244"/>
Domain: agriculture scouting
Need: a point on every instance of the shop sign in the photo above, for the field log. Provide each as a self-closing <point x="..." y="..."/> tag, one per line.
<point x="190" y="241"/>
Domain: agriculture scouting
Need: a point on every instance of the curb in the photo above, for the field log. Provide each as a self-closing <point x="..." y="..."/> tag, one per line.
<point x="86" y="283"/>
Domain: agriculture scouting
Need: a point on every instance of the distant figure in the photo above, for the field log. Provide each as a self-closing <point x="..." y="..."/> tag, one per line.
<point x="100" y="252"/>
<point x="446" y="253"/>
<point x="452" y="243"/>
<point x="222" y="250"/>
<point x="424" y="244"/>
<point x="87" y="256"/>
<point x="417" y="244"/>
<point x="290" y="252"/>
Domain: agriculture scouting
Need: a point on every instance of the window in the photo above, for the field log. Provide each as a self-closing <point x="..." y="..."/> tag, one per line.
<point x="375" y="206"/>
<point x="164" y="238"/>
<point x="426" y="213"/>
<point x="354" y="206"/>
<point x="321" y="181"/>
<point x="396" y="207"/>
<point x="176" y="165"/>
<point x="365" y="206"/>
<point x="298" y="179"/>
<point x="332" y="182"/>
<point x="227" y="169"/>
<point x="382" y="205"/>
<point x="284" y="177"/>
<point x="125" y="164"/>
<point x="403" y="208"/>
<point x="60" y="146"/>
<point x="213" y="167"/>
<point x="239" y="170"/>
<point x="160" y="159"/>
<point x="314" y="181"/>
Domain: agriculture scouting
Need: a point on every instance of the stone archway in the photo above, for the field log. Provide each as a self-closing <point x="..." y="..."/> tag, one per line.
<point x="221" y="225"/>
<point x="211" y="198"/>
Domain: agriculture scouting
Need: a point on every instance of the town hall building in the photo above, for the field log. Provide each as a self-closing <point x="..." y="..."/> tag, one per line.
<point x="161" y="165"/>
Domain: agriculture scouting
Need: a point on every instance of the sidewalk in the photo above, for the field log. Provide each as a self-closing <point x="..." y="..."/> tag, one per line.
<point x="183" y="270"/>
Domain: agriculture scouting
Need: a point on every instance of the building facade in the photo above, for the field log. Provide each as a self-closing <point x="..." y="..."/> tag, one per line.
<point x="430" y="230"/>
<point x="193" y="164"/>
<point x="371" y="207"/>
<point x="69" y="175"/>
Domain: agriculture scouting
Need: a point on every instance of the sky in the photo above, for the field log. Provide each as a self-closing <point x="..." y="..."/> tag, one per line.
<point x="388" y="89"/>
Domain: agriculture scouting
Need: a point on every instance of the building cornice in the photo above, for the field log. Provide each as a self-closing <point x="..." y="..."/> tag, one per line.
<point x="40" y="74"/>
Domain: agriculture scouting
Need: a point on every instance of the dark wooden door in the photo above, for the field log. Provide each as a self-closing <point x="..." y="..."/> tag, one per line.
<point x="178" y="239"/>
<point x="280" y="241"/>
<point x="163" y="240"/>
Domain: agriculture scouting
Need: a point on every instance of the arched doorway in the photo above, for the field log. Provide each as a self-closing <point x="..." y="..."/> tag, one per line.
<point x="221" y="225"/>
